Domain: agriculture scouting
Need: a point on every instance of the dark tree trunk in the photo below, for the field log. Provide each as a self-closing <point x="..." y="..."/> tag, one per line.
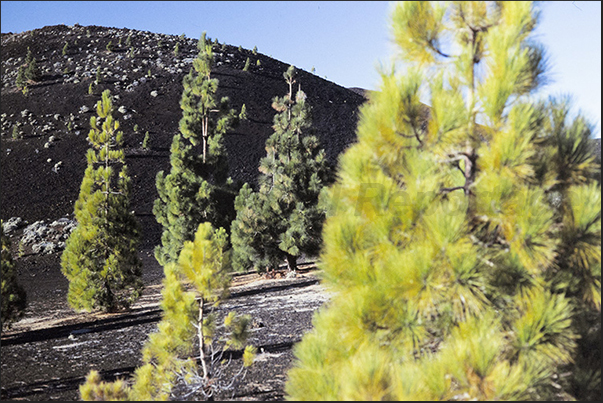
<point x="291" y="262"/>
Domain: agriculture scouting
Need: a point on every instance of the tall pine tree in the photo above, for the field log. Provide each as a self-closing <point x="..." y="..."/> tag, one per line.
<point x="100" y="259"/>
<point x="464" y="260"/>
<point x="283" y="219"/>
<point x="14" y="298"/>
<point x="197" y="188"/>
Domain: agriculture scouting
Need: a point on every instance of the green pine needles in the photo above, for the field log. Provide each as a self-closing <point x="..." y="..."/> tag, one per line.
<point x="283" y="219"/>
<point x="197" y="188"/>
<point x="169" y="356"/>
<point x="100" y="259"/>
<point x="31" y="71"/>
<point x="464" y="260"/>
<point x="14" y="298"/>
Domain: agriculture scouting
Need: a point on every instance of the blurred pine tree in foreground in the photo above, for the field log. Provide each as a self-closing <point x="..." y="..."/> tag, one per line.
<point x="464" y="259"/>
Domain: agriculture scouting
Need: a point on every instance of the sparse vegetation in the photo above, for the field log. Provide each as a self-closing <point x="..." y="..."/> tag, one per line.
<point x="358" y="347"/>
<point x="16" y="133"/>
<point x="145" y="140"/>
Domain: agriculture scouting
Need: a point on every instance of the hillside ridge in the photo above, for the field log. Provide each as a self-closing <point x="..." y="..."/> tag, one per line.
<point x="42" y="170"/>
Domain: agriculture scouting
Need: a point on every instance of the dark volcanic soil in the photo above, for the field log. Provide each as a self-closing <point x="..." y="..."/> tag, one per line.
<point x="46" y="355"/>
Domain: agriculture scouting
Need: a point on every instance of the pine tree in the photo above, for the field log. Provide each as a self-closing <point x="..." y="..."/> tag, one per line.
<point x="21" y="81"/>
<point x="283" y="219"/>
<point x="14" y="298"/>
<point x="197" y="188"/>
<point x="168" y="355"/>
<point x="32" y="71"/>
<point x="100" y="259"/>
<point x="464" y="260"/>
<point x="28" y="56"/>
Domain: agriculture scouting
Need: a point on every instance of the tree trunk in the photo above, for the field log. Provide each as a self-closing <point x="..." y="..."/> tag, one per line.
<point x="202" y="355"/>
<point x="291" y="262"/>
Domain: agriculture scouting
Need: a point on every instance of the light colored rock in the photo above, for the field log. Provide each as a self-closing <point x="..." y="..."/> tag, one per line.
<point x="12" y="224"/>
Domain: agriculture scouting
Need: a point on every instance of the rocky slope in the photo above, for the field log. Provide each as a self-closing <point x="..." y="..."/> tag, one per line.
<point x="42" y="169"/>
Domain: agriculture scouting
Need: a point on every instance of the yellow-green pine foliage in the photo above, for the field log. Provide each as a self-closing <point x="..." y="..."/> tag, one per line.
<point x="464" y="259"/>
<point x="21" y="81"/>
<point x="284" y="218"/>
<point x="197" y="188"/>
<point x="96" y="390"/>
<point x="100" y="259"/>
<point x="14" y="298"/>
<point x="192" y="287"/>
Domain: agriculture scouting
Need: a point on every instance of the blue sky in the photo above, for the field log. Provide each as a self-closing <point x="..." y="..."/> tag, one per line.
<point x="343" y="40"/>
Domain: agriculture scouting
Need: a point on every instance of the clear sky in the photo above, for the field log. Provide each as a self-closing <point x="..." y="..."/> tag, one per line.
<point x="343" y="40"/>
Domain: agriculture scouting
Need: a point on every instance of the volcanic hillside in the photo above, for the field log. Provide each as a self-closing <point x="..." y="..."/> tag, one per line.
<point x="42" y="169"/>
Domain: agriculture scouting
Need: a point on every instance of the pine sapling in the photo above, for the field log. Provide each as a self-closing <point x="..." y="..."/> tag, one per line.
<point x="172" y="368"/>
